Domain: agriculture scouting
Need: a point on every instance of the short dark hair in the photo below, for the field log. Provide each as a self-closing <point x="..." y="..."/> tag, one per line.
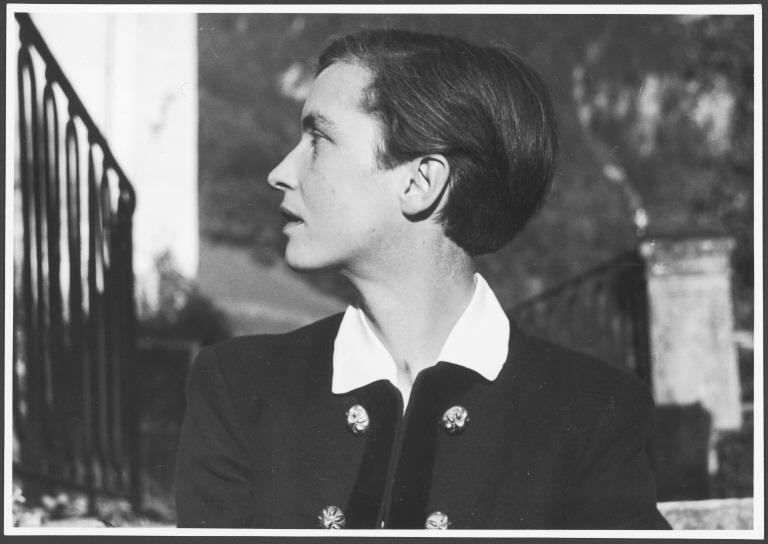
<point x="484" y="108"/>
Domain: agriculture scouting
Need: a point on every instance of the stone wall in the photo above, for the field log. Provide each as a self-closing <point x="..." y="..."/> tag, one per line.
<point x="711" y="514"/>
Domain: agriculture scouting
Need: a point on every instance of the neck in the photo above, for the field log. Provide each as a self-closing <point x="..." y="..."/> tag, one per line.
<point x="413" y="304"/>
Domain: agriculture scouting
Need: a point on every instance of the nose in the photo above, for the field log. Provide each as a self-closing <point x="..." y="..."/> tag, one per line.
<point x="283" y="176"/>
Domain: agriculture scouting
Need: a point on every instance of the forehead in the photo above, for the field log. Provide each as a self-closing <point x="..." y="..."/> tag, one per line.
<point x="338" y="90"/>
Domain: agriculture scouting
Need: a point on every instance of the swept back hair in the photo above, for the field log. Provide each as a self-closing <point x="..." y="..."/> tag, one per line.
<point x="483" y="108"/>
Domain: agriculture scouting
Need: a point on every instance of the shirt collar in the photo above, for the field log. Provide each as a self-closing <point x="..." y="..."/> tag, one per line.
<point x="478" y="341"/>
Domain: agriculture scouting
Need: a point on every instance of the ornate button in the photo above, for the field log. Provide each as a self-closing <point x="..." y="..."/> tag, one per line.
<point x="454" y="419"/>
<point x="437" y="520"/>
<point x="332" y="518"/>
<point x="357" y="419"/>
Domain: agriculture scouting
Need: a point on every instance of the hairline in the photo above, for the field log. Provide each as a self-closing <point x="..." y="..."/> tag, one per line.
<point x="365" y="103"/>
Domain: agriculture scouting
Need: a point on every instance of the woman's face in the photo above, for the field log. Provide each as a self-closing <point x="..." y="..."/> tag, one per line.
<point x="340" y="206"/>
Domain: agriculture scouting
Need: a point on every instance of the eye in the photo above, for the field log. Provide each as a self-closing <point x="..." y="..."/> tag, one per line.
<point x="315" y="138"/>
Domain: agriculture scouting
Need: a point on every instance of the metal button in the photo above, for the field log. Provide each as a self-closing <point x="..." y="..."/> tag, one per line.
<point x="454" y="419"/>
<point x="357" y="419"/>
<point x="437" y="520"/>
<point x="332" y="518"/>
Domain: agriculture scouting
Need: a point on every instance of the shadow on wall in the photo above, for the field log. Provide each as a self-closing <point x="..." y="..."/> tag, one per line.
<point x="170" y="337"/>
<point x="680" y="452"/>
<point x="693" y="462"/>
<point x="164" y="365"/>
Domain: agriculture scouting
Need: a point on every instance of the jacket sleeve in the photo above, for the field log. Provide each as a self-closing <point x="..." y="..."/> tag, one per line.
<point x="612" y="486"/>
<point x="213" y="467"/>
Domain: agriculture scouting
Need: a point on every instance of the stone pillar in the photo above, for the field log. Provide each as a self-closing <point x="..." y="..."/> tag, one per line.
<point x="693" y="355"/>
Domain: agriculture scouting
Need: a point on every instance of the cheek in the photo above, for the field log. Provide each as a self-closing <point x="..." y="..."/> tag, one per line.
<point x="345" y="199"/>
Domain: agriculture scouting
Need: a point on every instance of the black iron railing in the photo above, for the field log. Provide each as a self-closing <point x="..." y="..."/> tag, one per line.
<point x="602" y="312"/>
<point x="74" y="314"/>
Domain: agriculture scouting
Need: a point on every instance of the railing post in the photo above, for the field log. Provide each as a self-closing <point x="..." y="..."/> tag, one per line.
<point x="693" y="355"/>
<point x="73" y="370"/>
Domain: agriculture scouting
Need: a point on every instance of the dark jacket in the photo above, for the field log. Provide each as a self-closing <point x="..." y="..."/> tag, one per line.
<point x="555" y="442"/>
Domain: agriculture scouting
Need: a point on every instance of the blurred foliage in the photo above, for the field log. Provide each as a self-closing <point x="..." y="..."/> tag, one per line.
<point x="655" y="115"/>
<point x="66" y="508"/>
<point x="182" y="312"/>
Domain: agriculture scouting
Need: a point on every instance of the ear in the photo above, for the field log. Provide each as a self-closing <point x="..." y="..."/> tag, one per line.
<point x="428" y="181"/>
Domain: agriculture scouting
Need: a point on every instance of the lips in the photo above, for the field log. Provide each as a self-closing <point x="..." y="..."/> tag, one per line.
<point x="290" y="216"/>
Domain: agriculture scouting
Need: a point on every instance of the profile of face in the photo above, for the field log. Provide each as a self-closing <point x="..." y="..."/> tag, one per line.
<point x="340" y="207"/>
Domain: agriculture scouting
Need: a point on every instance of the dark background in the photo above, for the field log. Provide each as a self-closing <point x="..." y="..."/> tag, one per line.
<point x="666" y="100"/>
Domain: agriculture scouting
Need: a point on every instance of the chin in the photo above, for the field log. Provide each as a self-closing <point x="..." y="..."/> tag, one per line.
<point x="300" y="266"/>
<point x="304" y="262"/>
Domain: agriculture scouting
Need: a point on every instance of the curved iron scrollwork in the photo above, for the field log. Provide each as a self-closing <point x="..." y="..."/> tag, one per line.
<point x="74" y="323"/>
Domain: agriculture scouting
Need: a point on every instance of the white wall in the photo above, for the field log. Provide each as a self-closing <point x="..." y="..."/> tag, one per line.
<point x="137" y="76"/>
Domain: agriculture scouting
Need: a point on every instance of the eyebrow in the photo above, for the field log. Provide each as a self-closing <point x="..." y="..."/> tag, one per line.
<point x="314" y="120"/>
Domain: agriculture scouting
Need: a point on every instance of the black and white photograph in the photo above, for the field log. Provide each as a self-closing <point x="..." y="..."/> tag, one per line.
<point x="285" y="270"/>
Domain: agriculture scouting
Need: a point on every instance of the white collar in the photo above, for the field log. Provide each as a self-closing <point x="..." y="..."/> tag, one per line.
<point x="478" y="341"/>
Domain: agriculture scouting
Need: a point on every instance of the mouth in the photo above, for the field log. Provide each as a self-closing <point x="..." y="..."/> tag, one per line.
<point x="289" y="216"/>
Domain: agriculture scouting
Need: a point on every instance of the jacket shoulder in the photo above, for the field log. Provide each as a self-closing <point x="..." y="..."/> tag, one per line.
<point x="575" y="377"/>
<point x="601" y="410"/>
<point x="297" y="339"/>
<point x="271" y="358"/>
